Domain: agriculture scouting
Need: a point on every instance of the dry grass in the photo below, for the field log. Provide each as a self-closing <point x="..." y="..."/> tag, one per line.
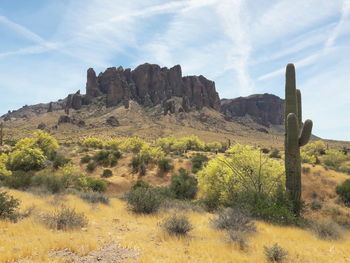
<point x="32" y="240"/>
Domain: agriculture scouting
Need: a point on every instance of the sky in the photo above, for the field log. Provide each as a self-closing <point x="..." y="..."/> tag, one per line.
<point x="46" y="46"/>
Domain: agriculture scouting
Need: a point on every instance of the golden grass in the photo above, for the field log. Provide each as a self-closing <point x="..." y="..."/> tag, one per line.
<point x="30" y="239"/>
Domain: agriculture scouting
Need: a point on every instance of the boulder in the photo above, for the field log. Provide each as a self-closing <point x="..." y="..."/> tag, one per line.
<point x="112" y="121"/>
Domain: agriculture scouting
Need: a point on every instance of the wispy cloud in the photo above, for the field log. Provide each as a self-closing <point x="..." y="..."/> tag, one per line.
<point x="243" y="45"/>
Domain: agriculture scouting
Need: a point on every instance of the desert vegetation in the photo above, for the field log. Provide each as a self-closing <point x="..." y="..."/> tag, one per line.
<point x="223" y="198"/>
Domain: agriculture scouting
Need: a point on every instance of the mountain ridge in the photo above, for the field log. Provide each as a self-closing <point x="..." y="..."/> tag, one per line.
<point x="151" y="85"/>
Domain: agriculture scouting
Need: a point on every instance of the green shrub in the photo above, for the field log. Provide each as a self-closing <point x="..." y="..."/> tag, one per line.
<point x="265" y="150"/>
<point x="26" y="159"/>
<point x="177" y="225"/>
<point x="65" y="219"/>
<point x="343" y="191"/>
<point x="183" y="186"/>
<point x="94" y="197"/>
<point x="85" y="159"/>
<point x="275" y="253"/>
<point x="8" y="206"/>
<point x="144" y="200"/>
<point x="59" y="161"/>
<point x="345" y="168"/>
<point x="91" y="166"/>
<point x="315" y="205"/>
<point x="3" y="168"/>
<point x="234" y="220"/>
<point x="107" y="173"/>
<point x="51" y="182"/>
<point x="46" y="143"/>
<point x="198" y="161"/>
<point x="106" y="158"/>
<point x="333" y="158"/>
<point x="18" y="180"/>
<point x="96" y="184"/>
<point x="243" y="170"/>
<point x="93" y="143"/>
<point x="138" y="164"/>
<point x="165" y="165"/>
<point x="140" y="183"/>
<point x="327" y="230"/>
<point x="275" y="154"/>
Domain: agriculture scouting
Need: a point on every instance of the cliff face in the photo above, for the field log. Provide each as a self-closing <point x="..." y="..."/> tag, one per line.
<point x="265" y="109"/>
<point x="149" y="85"/>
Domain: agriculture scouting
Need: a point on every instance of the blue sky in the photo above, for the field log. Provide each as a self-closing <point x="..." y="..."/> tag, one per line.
<point x="46" y="46"/>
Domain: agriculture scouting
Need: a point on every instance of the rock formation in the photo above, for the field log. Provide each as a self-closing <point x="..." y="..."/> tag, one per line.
<point x="112" y="121"/>
<point x="265" y="109"/>
<point x="149" y="85"/>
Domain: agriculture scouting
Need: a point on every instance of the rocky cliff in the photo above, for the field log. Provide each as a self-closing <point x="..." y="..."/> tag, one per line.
<point x="149" y="85"/>
<point x="265" y="109"/>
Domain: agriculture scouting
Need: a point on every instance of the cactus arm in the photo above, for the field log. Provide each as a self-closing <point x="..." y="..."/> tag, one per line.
<point x="298" y="94"/>
<point x="305" y="133"/>
<point x="292" y="134"/>
<point x="291" y="96"/>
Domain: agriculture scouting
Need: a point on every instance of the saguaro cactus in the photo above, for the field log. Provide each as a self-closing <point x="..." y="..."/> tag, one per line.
<point x="1" y="133"/>
<point x="297" y="134"/>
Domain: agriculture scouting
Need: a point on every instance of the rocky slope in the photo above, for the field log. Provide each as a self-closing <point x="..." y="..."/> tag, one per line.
<point x="265" y="109"/>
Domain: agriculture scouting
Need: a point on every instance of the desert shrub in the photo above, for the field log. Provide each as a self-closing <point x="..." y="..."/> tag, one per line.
<point x="213" y="147"/>
<point x="343" y="190"/>
<point x="315" y="148"/>
<point x="133" y="144"/>
<point x="85" y="159"/>
<point x="327" y="230"/>
<point x="96" y="184"/>
<point x="345" y="168"/>
<point x="46" y="143"/>
<point x="183" y="185"/>
<point x="198" y="162"/>
<point x="315" y="205"/>
<point x="91" y="166"/>
<point x="8" y="206"/>
<point x="3" y="169"/>
<point x="106" y="158"/>
<point x="193" y="143"/>
<point x="275" y="153"/>
<point x="305" y="170"/>
<point x="164" y="165"/>
<point x="151" y="154"/>
<point x="65" y="219"/>
<point x="51" y="182"/>
<point x="138" y="165"/>
<point x="144" y="200"/>
<point x="114" y="144"/>
<point x="246" y="170"/>
<point x="177" y="225"/>
<point x="26" y="159"/>
<point x="139" y="184"/>
<point x="107" y="173"/>
<point x="275" y="253"/>
<point x="93" y="143"/>
<point x="265" y="150"/>
<point x="94" y="197"/>
<point x="18" y="180"/>
<point x="309" y="158"/>
<point x="59" y="160"/>
<point x="333" y="158"/>
<point x="166" y="143"/>
<point x="238" y="238"/>
<point x="234" y="220"/>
